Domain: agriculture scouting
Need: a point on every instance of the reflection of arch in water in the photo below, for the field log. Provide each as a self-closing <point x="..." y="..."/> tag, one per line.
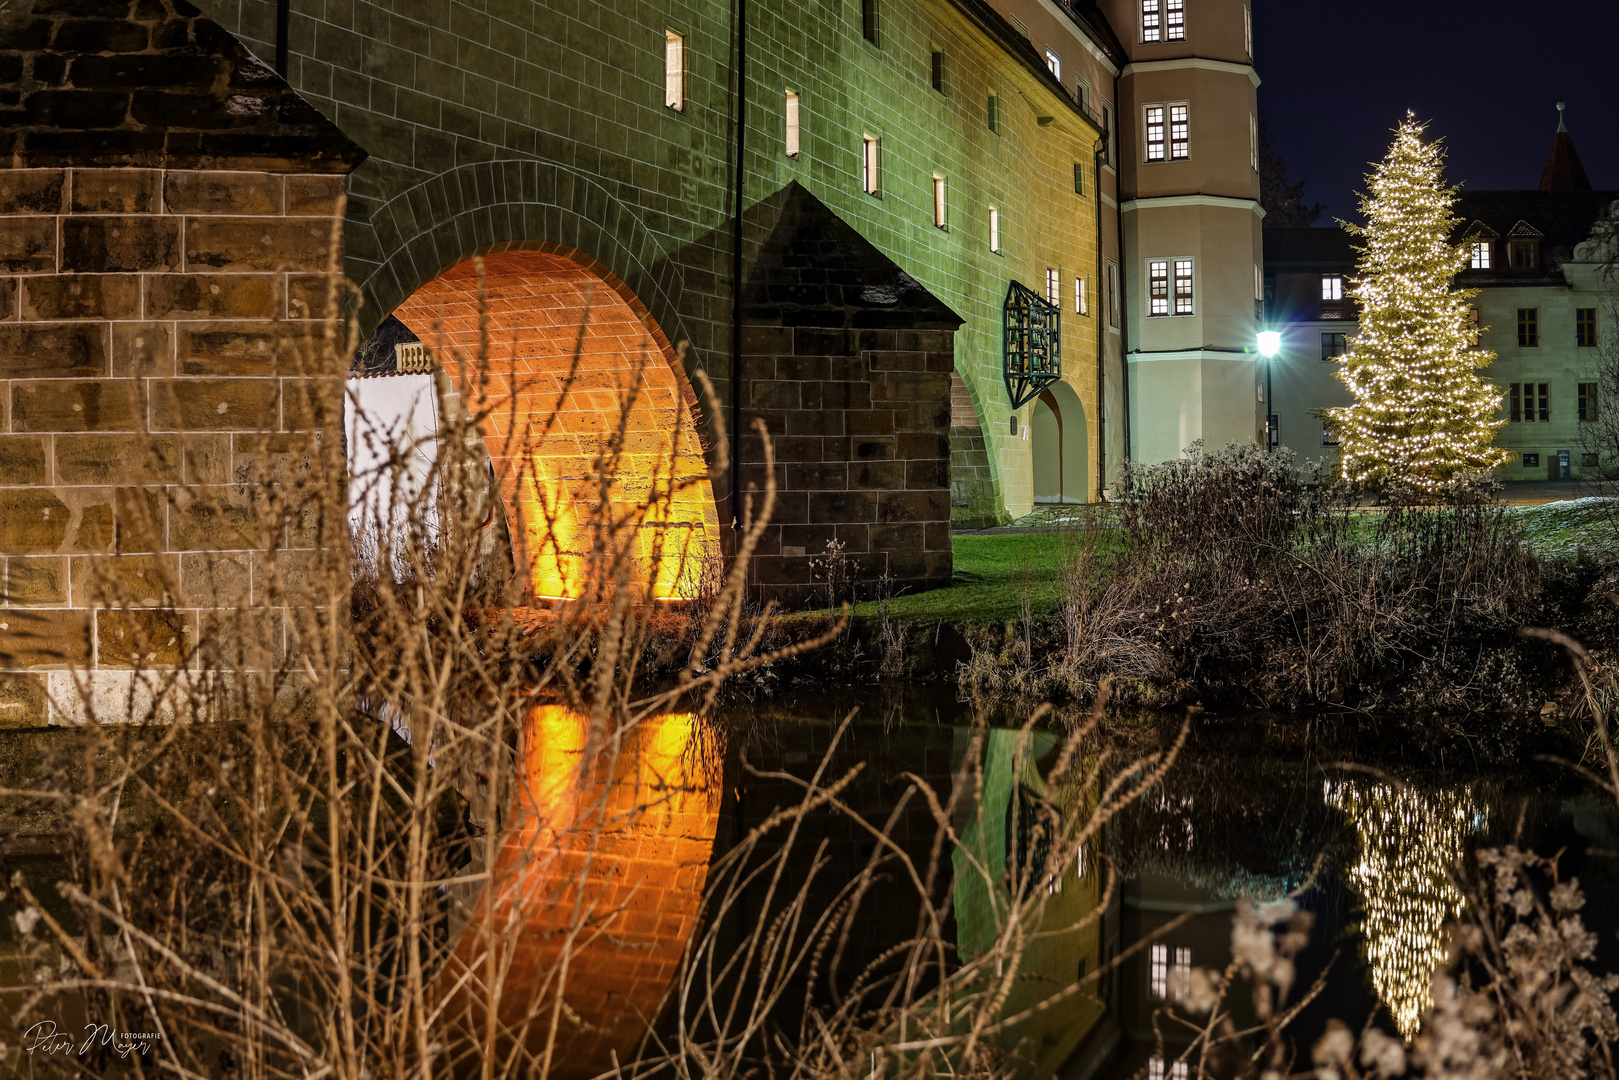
<point x="1059" y="445"/>
<point x="596" y="887"/>
<point x="562" y="384"/>
<point x="1410" y="842"/>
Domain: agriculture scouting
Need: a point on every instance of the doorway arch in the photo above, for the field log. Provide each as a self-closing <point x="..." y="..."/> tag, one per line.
<point x="577" y="374"/>
<point x="1059" y="446"/>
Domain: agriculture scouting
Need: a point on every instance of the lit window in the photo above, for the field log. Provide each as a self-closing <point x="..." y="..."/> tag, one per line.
<point x="1082" y="306"/>
<point x="1248" y="30"/>
<point x="871" y="165"/>
<point x="994" y="113"/>
<point x="1179" y="130"/>
<point x="1155" y="1068"/>
<point x="938" y="72"/>
<point x="792" y="124"/>
<point x="1053" y="284"/>
<point x="994" y="229"/>
<point x="1155" y="132"/>
<point x="1259" y="283"/>
<point x="1175" y="20"/>
<point x="1588" y="402"/>
<point x="1478" y="255"/>
<point x="1183" y="965"/>
<point x="1332" y="286"/>
<point x="1158" y="971"/>
<point x="938" y="201"/>
<point x="1585" y="327"/>
<point x="1158" y="288"/>
<point x="1529" y="327"/>
<point x="1183" y="286"/>
<point x="674" y="71"/>
<point x="1054" y="62"/>
<point x="1179" y="1071"/>
<point x="1152" y="20"/>
<point x="1334" y="346"/>
<point x="868" y="20"/>
<point x="1253" y="141"/>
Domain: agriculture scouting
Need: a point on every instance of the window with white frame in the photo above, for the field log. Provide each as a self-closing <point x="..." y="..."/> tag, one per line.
<point x="1152" y="20"/>
<point x="1169" y="287"/>
<point x="1259" y="282"/>
<point x="1182" y="973"/>
<point x="1082" y="92"/>
<point x="871" y="165"/>
<point x="938" y="200"/>
<point x="1168" y="130"/>
<point x="674" y="71"/>
<point x="1082" y="304"/>
<point x="1183" y="287"/>
<point x="1253" y="142"/>
<point x="1174" y="20"/>
<point x="1332" y="286"/>
<point x="1158" y="971"/>
<point x="1179" y="1070"/>
<point x="1053" y="285"/>
<point x="994" y="229"/>
<point x="1054" y="62"/>
<point x="791" y="141"/>
<point x="1155" y="1068"/>
<point x="1155" y="141"/>
<point x="1248" y="30"/>
<point x="1180" y="131"/>
<point x="1478" y="255"/>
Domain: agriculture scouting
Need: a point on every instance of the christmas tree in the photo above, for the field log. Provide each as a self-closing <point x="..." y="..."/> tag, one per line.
<point x="1423" y="418"/>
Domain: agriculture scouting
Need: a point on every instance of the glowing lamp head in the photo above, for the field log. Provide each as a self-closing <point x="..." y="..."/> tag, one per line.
<point x="1270" y="343"/>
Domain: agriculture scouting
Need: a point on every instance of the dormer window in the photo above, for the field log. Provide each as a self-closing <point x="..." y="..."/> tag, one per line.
<point x="1478" y="255"/>
<point x="1524" y="254"/>
<point x="1332" y="286"/>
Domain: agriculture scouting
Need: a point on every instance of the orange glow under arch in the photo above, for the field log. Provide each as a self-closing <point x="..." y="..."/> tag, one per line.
<point x="547" y="314"/>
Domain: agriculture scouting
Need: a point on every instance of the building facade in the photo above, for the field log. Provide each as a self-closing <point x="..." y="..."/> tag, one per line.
<point x="1544" y="307"/>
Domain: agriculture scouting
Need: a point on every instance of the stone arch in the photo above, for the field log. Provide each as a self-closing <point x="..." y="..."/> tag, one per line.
<point x="577" y="369"/>
<point x="1059" y="445"/>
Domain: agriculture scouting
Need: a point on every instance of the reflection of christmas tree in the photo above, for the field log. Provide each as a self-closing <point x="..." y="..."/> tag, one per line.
<point x="1409" y="843"/>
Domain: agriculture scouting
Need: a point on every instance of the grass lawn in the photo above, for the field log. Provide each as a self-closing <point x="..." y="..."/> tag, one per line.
<point x="989" y="581"/>
<point x="1569" y="528"/>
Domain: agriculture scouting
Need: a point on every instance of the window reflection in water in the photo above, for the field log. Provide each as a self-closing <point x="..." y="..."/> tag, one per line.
<point x="1408" y="844"/>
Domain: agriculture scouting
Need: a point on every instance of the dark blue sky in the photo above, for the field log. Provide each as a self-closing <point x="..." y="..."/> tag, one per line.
<point x="1487" y="74"/>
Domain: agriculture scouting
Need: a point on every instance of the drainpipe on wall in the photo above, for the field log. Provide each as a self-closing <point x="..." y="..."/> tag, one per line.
<point x="1101" y="337"/>
<point x="1124" y="300"/>
<point x="739" y="174"/>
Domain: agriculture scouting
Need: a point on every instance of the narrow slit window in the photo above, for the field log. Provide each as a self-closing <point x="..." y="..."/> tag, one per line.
<point x="868" y="20"/>
<point x="674" y="71"/>
<point x="1248" y="30"/>
<point x="871" y="165"/>
<point x="1588" y="401"/>
<point x="1107" y="122"/>
<point x="994" y="113"/>
<point x="1114" y="304"/>
<point x="1253" y="142"/>
<point x="1052" y="279"/>
<point x="1514" y="406"/>
<point x="1079" y="178"/>
<point x="936" y="74"/>
<point x="938" y="201"/>
<point x="1082" y="304"/>
<point x="1082" y="92"/>
<point x="994" y="229"/>
<point x="791" y="141"/>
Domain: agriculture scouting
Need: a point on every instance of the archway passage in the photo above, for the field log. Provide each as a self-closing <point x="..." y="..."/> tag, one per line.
<point x="586" y="414"/>
<point x="595" y="890"/>
<point x="1058" y="444"/>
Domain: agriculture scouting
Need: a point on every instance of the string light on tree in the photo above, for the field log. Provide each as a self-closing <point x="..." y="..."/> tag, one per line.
<point x="1423" y="416"/>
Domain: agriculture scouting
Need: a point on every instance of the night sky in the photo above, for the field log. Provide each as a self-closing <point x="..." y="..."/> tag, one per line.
<point x="1486" y="73"/>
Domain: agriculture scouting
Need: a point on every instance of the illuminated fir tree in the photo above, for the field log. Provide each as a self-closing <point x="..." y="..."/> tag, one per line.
<point x="1423" y="416"/>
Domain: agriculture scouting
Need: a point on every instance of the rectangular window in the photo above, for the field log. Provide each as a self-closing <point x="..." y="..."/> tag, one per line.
<point x="1544" y="409"/>
<point x="1183" y="966"/>
<point x="1523" y="254"/>
<point x="674" y="71"/>
<point x="1478" y="255"/>
<point x="1082" y="304"/>
<point x="1082" y="92"/>
<point x="1588" y="461"/>
<point x="1155" y="1068"/>
<point x="938" y="201"/>
<point x="994" y="113"/>
<point x="1179" y="132"/>
<point x="1053" y="285"/>
<point x="1158" y="971"/>
<point x="1259" y="283"/>
<point x="1179" y="1071"/>
<point x="1332" y="286"/>
<point x="1175" y="20"/>
<point x="1183" y="286"/>
<point x="1152" y="20"/>
<point x="994" y="229"/>
<point x="1079" y="178"/>
<point x="1334" y="346"/>
<point x="938" y="72"/>
<point x="1054" y="62"/>
<point x="1588" y="401"/>
<point x="1158" y="287"/>
<point x="1531" y="461"/>
<point x="1248" y="30"/>
<point x="1514" y="407"/>
<point x="868" y="20"/>
<point x="1114" y="307"/>
<point x="1253" y="142"/>
<point x="871" y="165"/>
<point x="1585" y="327"/>
<point x="791" y="141"/>
<point x="1474" y="323"/>
<point x="1107" y="122"/>
<point x="1155" y="132"/>
<point x="1528" y="327"/>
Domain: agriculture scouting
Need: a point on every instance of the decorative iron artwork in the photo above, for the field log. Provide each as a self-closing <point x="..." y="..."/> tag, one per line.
<point x="1031" y="359"/>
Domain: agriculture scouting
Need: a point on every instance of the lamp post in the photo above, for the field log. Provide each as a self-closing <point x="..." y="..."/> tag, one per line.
<point x="1270" y="343"/>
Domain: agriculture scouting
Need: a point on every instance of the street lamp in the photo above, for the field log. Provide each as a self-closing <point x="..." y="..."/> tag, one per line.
<point x="1270" y="343"/>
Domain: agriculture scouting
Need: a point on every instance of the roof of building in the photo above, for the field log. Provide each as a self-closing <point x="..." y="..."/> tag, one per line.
<point x="1328" y="247"/>
<point x="94" y="82"/>
<point x="1560" y="219"/>
<point x="1563" y="171"/>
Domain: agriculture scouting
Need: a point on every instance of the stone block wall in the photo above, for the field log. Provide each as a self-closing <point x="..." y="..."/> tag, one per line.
<point x="149" y="391"/>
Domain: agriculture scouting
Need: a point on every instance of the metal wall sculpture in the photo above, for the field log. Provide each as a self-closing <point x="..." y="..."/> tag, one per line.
<point x="1031" y="357"/>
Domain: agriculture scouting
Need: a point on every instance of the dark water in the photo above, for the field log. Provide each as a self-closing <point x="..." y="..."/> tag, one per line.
<point x="1254" y="806"/>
